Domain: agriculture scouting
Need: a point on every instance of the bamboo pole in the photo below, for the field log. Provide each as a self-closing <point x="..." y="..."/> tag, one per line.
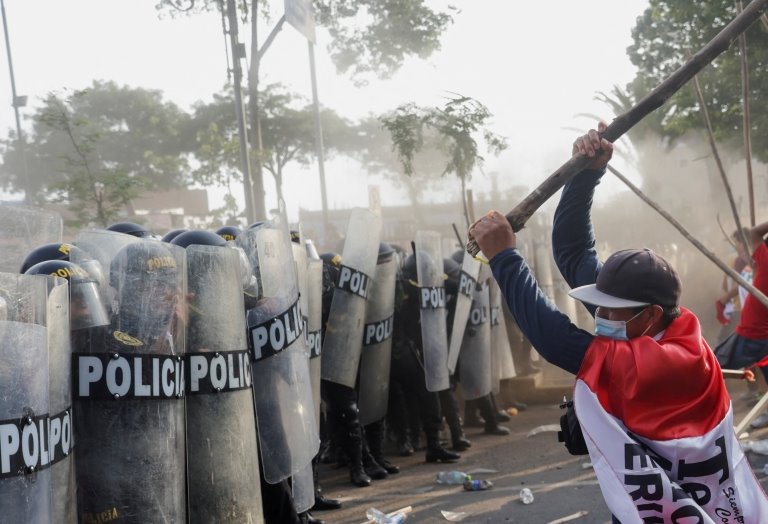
<point x="745" y="118"/>
<point x="706" y="252"/>
<point x="624" y="122"/>
<point x="719" y="162"/>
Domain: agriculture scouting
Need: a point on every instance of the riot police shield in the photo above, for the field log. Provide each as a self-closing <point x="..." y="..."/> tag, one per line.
<point x="373" y="388"/>
<point x="470" y="268"/>
<point x="314" y="315"/>
<point x="222" y="456"/>
<point x="25" y="472"/>
<point x="344" y="330"/>
<point x="502" y="366"/>
<point x="129" y="385"/>
<point x="475" y="353"/>
<point x="64" y="501"/>
<point x="21" y="230"/>
<point x="432" y="303"/>
<point x="303" y="487"/>
<point x="287" y="429"/>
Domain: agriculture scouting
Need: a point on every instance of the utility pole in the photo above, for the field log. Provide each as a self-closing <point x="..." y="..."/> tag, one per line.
<point x="238" y="53"/>
<point x="319" y="147"/>
<point x="18" y="101"/>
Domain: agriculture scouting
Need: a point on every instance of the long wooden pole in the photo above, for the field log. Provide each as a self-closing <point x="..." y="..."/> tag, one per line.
<point x="706" y="252"/>
<point x="623" y="123"/>
<point x="745" y="119"/>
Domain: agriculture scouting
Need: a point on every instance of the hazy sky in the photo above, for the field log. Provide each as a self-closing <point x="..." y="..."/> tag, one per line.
<point x="536" y="65"/>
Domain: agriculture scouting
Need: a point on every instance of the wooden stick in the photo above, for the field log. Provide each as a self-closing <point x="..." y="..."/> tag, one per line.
<point x="706" y="252"/>
<point x="623" y="123"/>
<point x="753" y="413"/>
<point x="719" y="162"/>
<point x="745" y="119"/>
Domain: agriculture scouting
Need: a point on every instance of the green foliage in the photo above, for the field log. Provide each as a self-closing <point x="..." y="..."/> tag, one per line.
<point x="116" y="138"/>
<point x="367" y="36"/>
<point x="664" y="35"/>
<point x="455" y="125"/>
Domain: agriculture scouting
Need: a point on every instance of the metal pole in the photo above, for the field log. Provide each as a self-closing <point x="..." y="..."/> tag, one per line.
<point x="259" y="196"/>
<point x="16" y="104"/>
<point x="237" y="56"/>
<point x="318" y="137"/>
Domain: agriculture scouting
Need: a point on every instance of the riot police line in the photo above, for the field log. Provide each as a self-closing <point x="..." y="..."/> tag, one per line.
<point x="163" y="381"/>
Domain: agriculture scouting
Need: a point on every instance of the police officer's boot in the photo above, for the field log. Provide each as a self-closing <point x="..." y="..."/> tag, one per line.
<point x="372" y="468"/>
<point x="322" y="503"/>
<point x="436" y="452"/>
<point x="374" y="436"/>
<point x="459" y="441"/>
<point x="488" y="413"/>
<point x="357" y="474"/>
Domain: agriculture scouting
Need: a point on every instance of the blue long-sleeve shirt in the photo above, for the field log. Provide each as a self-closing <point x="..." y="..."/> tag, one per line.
<point x="551" y="332"/>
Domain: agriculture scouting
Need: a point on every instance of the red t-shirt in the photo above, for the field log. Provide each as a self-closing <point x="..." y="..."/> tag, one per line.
<point x="754" y="315"/>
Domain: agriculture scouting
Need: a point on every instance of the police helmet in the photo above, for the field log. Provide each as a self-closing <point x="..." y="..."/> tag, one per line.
<point x="295" y="236"/>
<point x="52" y="251"/>
<point x="458" y="256"/>
<point x="256" y="225"/>
<point x="145" y="277"/>
<point x="385" y="253"/>
<point x="228" y="232"/>
<point x="331" y="259"/>
<point x="409" y="271"/>
<point x="86" y="307"/>
<point x="170" y="235"/>
<point x="451" y="269"/>
<point x="199" y="237"/>
<point x="129" y="228"/>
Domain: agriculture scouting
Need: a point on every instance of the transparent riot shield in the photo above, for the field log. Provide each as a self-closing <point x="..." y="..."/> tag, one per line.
<point x="475" y="353"/>
<point x="432" y="302"/>
<point x="129" y="384"/>
<point x="502" y="366"/>
<point x="61" y="443"/>
<point x="303" y="486"/>
<point x="222" y="454"/>
<point x="287" y="428"/>
<point x="22" y="229"/>
<point x="373" y="387"/>
<point x="344" y="330"/>
<point x="314" y="328"/>
<point x="470" y="269"/>
<point x="25" y="472"/>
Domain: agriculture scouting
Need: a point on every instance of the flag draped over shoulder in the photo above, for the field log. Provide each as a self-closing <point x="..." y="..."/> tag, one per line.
<point x="658" y="423"/>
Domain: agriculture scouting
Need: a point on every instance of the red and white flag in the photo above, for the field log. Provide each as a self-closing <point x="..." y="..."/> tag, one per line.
<point x="658" y="423"/>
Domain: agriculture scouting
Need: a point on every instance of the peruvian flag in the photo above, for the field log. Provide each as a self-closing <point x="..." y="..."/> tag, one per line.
<point x="658" y="422"/>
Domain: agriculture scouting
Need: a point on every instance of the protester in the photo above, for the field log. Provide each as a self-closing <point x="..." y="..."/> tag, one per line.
<point x="749" y="343"/>
<point x="649" y="394"/>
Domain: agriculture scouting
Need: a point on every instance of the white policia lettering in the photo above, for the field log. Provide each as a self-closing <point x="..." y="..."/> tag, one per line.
<point x="478" y="315"/>
<point x="121" y="379"/>
<point x="432" y="297"/>
<point x="219" y="371"/>
<point x="31" y="444"/>
<point x="353" y="281"/>
<point x="466" y="284"/>
<point x="378" y="332"/>
<point x="278" y="333"/>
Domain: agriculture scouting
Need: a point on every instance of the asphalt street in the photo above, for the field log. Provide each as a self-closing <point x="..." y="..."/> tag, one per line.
<point x="563" y="485"/>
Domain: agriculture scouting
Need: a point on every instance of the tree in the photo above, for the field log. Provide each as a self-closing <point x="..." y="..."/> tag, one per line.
<point x="663" y="36"/>
<point x="455" y="125"/>
<point x="367" y="36"/>
<point x="96" y="148"/>
<point x="288" y="129"/>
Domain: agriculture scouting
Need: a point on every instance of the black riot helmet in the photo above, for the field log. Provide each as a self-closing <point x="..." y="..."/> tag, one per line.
<point x="170" y="235"/>
<point x="145" y="279"/>
<point x="458" y="256"/>
<point x="199" y="237"/>
<point x="86" y="307"/>
<point x="331" y="259"/>
<point x="228" y="233"/>
<point x="386" y="252"/>
<point x="52" y="251"/>
<point x="129" y="228"/>
<point x="451" y="269"/>
<point x="295" y="236"/>
<point x="409" y="271"/>
<point x="256" y="225"/>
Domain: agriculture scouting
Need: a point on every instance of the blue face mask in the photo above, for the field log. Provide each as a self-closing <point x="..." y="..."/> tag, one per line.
<point x="615" y="329"/>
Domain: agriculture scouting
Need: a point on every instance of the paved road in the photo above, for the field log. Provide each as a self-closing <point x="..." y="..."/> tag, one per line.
<point x="562" y="484"/>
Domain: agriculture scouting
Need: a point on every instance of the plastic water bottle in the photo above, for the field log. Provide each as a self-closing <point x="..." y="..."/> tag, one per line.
<point x="477" y="485"/>
<point x="526" y="496"/>
<point x="382" y="518"/>
<point x="451" y="477"/>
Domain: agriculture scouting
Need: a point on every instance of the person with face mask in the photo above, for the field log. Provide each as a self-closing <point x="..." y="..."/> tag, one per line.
<point x="649" y="394"/>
